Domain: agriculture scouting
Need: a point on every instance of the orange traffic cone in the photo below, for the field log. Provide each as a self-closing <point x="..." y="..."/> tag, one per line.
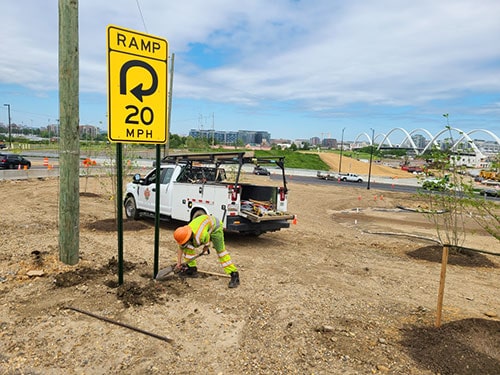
<point x="45" y="162"/>
<point x="294" y="221"/>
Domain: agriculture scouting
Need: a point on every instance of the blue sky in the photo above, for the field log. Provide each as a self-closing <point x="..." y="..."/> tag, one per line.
<point x="297" y="69"/>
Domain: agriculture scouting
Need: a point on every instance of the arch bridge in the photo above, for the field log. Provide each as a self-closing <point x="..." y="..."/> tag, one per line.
<point x="455" y="143"/>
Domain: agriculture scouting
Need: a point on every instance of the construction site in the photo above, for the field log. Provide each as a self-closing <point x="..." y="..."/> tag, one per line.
<point x="351" y="287"/>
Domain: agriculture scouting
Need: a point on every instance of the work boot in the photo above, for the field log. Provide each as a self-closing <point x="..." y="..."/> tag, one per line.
<point x="235" y="280"/>
<point x="189" y="271"/>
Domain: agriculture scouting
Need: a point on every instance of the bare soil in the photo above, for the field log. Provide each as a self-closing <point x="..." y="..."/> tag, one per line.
<point x="350" y="288"/>
<point x="351" y="165"/>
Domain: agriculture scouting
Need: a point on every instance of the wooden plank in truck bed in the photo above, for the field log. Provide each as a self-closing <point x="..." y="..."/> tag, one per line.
<point x="257" y="219"/>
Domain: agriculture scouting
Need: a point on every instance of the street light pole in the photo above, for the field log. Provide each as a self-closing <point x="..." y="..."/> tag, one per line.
<point x="10" y="137"/>
<point x="341" y="150"/>
<point x="371" y="159"/>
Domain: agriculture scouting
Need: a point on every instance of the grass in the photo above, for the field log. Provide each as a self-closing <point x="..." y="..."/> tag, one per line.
<point x="295" y="159"/>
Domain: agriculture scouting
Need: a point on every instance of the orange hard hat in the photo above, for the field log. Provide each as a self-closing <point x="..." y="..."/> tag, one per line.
<point x="183" y="234"/>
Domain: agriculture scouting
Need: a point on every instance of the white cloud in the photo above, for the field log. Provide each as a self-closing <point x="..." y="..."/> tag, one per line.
<point x="318" y="53"/>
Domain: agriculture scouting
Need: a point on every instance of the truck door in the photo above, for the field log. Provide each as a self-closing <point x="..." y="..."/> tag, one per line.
<point x="147" y="196"/>
<point x="146" y="193"/>
<point x="166" y="191"/>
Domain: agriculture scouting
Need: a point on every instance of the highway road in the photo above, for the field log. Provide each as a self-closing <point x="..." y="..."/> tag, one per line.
<point x="394" y="185"/>
<point x="406" y="185"/>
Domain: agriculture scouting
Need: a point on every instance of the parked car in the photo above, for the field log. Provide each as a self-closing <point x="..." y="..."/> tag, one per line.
<point x="491" y="192"/>
<point x="13" y="161"/>
<point x="261" y="171"/>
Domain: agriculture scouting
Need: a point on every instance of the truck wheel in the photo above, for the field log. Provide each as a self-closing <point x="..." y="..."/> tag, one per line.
<point x="198" y="212"/>
<point x="131" y="210"/>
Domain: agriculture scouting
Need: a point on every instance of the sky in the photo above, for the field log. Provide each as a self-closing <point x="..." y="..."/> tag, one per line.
<point x="297" y="69"/>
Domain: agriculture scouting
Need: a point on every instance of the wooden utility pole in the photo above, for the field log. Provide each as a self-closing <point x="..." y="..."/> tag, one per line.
<point x="69" y="141"/>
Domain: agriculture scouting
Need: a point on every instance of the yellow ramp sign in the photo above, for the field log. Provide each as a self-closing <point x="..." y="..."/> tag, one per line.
<point x="137" y="87"/>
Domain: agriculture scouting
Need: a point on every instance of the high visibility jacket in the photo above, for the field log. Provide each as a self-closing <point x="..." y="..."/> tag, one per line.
<point x="203" y="226"/>
<point x="208" y="228"/>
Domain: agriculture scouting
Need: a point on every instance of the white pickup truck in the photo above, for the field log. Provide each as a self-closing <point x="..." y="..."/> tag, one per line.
<point x="350" y="177"/>
<point x="195" y="184"/>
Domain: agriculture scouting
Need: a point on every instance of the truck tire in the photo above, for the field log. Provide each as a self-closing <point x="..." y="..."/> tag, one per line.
<point x="344" y="179"/>
<point x="131" y="210"/>
<point x="198" y="212"/>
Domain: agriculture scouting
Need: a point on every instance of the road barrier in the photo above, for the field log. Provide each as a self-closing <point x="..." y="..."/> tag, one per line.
<point x="24" y="174"/>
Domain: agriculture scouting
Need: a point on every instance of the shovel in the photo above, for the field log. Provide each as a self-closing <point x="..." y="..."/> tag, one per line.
<point x="168" y="270"/>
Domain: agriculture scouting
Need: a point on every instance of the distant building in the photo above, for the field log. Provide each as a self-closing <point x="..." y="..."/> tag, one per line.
<point x="329" y="143"/>
<point x="419" y="141"/>
<point x="315" y="141"/>
<point x="487" y="147"/>
<point x="53" y="130"/>
<point x="280" y="141"/>
<point x="88" y="131"/>
<point x="230" y="137"/>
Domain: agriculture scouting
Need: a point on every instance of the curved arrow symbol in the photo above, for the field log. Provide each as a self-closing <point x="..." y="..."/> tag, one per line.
<point x="137" y="91"/>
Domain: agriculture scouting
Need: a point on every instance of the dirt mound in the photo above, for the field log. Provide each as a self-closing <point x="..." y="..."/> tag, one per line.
<point x="471" y="344"/>
<point x="459" y="257"/>
<point x="350" y="165"/>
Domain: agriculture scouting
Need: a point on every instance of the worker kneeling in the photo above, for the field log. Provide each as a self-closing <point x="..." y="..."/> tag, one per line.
<point x="200" y="231"/>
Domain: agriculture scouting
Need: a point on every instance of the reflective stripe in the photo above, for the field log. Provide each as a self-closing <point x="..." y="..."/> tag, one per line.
<point x="225" y="264"/>
<point x="189" y="256"/>
<point x="201" y="228"/>
<point x="223" y="254"/>
<point x="214" y="225"/>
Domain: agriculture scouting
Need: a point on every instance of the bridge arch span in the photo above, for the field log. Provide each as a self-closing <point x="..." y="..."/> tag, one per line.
<point x="408" y="136"/>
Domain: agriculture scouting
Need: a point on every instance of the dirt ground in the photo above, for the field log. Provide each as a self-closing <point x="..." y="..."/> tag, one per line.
<point x="351" y="288"/>
<point x="350" y="165"/>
